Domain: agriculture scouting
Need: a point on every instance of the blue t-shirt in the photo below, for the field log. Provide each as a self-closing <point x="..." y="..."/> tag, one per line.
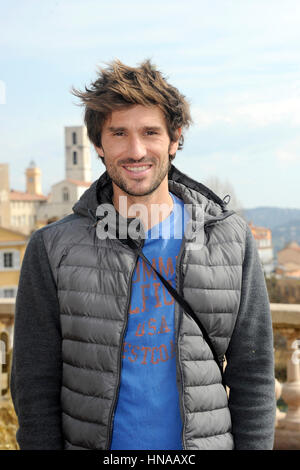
<point x="147" y="415"/>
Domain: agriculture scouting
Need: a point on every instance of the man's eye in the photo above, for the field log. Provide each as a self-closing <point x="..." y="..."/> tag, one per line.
<point x="151" y="132"/>
<point x="120" y="133"/>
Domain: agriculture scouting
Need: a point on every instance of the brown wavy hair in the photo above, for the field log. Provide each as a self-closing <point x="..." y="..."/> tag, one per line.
<point x="120" y="86"/>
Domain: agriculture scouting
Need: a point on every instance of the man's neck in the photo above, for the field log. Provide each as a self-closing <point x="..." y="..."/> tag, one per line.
<point x="150" y="209"/>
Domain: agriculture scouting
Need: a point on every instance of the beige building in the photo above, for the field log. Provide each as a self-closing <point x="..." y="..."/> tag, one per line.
<point x="77" y="154"/>
<point x="12" y="248"/>
<point x="24" y="208"/>
<point x="61" y="200"/>
<point x="4" y="195"/>
<point x="29" y="210"/>
<point x="263" y="238"/>
<point x="18" y="209"/>
<point x="289" y="261"/>
<point x="65" y="193"/>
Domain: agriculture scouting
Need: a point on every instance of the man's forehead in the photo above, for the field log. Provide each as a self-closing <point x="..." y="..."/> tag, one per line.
<point x="140" y="115"/>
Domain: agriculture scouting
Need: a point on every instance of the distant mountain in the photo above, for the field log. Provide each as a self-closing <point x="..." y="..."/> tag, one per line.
<point x="271" y="217"/>
<point x="285" y="233"/>
<point x="284" y="223"/>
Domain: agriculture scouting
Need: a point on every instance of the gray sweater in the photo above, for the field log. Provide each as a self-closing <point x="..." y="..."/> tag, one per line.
<point x="37" y="356"/>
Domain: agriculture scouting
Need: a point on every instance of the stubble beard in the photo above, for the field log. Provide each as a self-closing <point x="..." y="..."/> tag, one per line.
<point x="122" y="184"/>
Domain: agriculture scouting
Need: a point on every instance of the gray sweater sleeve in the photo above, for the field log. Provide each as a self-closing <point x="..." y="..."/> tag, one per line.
<point x="37" y="364"/>
<point x="250" y="361"/>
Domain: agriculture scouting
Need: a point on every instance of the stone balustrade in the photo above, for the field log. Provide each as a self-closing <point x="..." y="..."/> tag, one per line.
<point x="286" y="321"/>
<point x="7" y="313"/>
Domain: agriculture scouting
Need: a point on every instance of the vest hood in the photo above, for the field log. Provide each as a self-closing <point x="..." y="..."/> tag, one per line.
<point x="196" y="195"/>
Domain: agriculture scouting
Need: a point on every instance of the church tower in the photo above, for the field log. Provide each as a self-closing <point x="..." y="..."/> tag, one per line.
<point x="33" y="179"/>
<point x="4" y="195"/>
<point x="77" y="154"/>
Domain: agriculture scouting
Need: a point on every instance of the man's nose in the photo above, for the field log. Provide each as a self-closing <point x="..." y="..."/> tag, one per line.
<point x="136" y="148"/>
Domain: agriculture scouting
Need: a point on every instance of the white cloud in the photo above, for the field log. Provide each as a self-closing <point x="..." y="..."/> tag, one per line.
<point x="256" y="114"/>
<point x="290" y="152"/>
<point x="287" y="156"/>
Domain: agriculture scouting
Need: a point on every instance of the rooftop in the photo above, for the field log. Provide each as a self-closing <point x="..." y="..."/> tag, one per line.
<point x="22" y="196"/>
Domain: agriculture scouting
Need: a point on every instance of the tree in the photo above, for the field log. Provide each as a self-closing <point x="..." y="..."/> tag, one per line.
<point x="222" y="188"/>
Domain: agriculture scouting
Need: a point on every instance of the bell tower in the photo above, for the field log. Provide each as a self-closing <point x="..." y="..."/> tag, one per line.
<point x="33" y="179"/>
<point x="77" y="154"/>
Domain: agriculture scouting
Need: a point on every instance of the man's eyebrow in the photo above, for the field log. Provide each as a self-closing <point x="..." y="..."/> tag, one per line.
<point x="152" y="128"/>
<point x="116" y="129"/>
<point x="145" y="128"/>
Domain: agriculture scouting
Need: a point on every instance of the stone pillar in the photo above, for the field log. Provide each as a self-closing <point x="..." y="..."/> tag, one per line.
<point x="279" y="414"/>
<point x="287" y="436"/>
<point x="291" y="389"/>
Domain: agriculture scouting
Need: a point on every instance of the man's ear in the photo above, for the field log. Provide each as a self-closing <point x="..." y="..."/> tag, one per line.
<point x="174" y="145"/>
<point x="99" y="151"/>
<point x="178" y="133"/>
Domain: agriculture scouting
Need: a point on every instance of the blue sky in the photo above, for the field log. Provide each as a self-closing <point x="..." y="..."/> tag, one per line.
<point x="237" y="62"/>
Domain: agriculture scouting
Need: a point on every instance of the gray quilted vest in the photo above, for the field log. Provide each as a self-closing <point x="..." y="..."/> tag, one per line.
<point x="93" y="278"/>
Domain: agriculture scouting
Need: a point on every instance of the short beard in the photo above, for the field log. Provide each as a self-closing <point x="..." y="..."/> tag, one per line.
<point x="122" y="185"/>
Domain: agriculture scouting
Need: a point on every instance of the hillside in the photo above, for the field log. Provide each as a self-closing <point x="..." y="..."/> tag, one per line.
<point x="284" y="223"/>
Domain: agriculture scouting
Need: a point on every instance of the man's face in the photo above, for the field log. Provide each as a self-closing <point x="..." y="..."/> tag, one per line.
<point x="136" y="148"/>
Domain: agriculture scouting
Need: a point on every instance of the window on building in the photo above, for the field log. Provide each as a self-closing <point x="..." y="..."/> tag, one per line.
<point x="8" y="260"/>
<point x="74" y="158"/>
<point x="65" y="194"/>
<point x="74" y="138"/>
<point x="8" y="293"/>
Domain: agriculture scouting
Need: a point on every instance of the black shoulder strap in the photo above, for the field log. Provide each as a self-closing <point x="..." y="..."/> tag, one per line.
<point x="184" y="304"/>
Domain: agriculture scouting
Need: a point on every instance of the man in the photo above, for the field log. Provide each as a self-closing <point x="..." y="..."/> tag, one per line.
<point x="104" y="357"/>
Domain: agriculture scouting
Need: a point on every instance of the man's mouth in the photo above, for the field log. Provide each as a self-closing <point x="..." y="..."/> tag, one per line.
<point x="137" y="169"/>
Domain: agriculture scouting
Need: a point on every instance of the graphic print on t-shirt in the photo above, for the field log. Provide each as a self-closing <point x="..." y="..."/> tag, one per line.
<point x="143" y="351"/>
<point x="147" y="415"/>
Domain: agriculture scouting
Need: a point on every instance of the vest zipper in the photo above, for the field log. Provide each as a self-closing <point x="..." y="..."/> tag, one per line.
<point x="180" y="312"/>
<point x="113" y="408"/>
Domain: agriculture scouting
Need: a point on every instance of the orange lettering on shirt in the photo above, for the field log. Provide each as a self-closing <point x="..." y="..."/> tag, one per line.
<point x="156" y="286"/>
<point x="140" y="326"/>
<point x="152" y="354"/>
<point x="163" y="326"/>
<point x="146" y="349"/>
<point x="134" y="353"/>
<point x="166" y="302"/>
<point x="124" y="350"/>
<point x="169" y="270"/>
<point x="143" y="287"/>
<point x="147" y="270"/>
<point x="152" y="320"/>
<point x="162" y="348"/>
<point x="136" y="310"/>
